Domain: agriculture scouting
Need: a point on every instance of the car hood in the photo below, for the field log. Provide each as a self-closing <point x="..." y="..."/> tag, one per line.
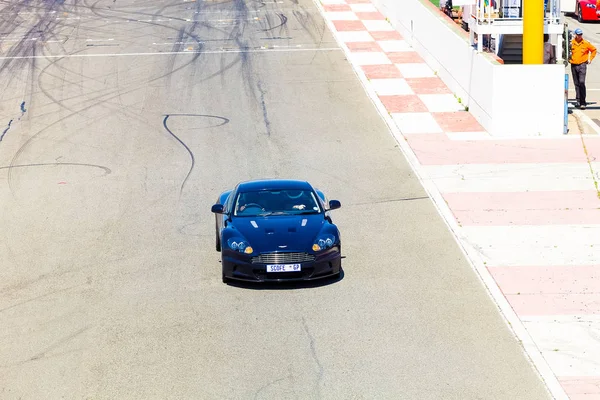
<point x="280" y="233"/>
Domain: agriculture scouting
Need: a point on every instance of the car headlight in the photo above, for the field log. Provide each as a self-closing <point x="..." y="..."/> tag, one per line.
<point x="240" y="245"/>
<point x="323" y="242"/>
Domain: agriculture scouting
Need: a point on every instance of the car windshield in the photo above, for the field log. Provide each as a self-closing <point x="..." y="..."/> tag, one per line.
<point x="276" y="202"/>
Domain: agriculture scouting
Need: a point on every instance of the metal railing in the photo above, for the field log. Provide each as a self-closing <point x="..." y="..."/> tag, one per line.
<point x="507" y="11"/>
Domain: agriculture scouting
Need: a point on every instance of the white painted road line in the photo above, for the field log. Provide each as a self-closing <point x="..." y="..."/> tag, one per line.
<point x="581" y="115"/>
<point x="166" y="53"/>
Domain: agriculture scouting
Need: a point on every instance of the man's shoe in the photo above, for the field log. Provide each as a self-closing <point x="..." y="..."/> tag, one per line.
<point x="583" y="106"/>
<point x="577" y="105"/>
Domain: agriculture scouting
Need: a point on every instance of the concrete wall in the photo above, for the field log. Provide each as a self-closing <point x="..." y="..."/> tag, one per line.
<point x="508" y="100"/>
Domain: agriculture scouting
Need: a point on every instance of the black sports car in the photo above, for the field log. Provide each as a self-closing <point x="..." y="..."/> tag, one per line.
<point x="276" y="230"/>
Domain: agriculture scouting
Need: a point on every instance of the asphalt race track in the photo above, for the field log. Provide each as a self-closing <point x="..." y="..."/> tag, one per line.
<point x="121" y="121"/>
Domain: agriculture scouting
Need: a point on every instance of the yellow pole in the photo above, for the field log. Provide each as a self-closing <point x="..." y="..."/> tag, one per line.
<point x="533" y="31"/>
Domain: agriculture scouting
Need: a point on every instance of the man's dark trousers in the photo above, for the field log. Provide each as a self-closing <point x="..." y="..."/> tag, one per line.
<point x="578" y="71"/>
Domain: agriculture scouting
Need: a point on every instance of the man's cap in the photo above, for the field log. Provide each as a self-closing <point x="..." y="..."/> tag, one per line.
<point x="578" y="31"/>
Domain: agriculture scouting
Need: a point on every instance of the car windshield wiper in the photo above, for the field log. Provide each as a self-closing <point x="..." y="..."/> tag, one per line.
<point x="265" y="214"/>
<point x="306" y="212"/>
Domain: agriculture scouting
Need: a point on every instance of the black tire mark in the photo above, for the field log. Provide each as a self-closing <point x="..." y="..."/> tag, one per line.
<point x="263" y="106"/>
<point x="307" y="22"/>
<point x="26" y="46"/>
<point x="176" y="3"/>
<point x="118" y="92"/>
<point x="193" y="159"/>
<point x="200" y="47"/>
<point x="44" y="72"/>
<point x="283" y="21"/>
<point x="233" y="35"/>
<point x="105" y="169"/>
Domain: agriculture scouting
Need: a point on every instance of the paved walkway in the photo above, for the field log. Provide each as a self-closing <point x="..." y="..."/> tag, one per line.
<point x="526" y="211"/>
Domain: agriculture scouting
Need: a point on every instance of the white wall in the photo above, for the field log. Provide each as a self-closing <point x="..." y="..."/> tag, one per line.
<point x="529" y="95"/>
<point x="507" y="100"/>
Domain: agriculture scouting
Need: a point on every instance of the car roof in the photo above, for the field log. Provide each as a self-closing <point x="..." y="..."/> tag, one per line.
<point x="270" y="184"/>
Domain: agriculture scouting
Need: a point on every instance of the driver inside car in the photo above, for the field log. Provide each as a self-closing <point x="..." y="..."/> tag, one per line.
<point x="244" y="201"/>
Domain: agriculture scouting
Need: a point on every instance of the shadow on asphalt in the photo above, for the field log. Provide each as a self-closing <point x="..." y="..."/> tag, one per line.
<point x="286" y="285"/>
<point x="587" y="107"/>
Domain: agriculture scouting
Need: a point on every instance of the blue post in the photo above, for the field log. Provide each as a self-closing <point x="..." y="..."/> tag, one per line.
<point x="566" y="122"/>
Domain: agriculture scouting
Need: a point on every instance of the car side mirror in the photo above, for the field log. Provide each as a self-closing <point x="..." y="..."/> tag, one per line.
<point x="334" y="205"/>
<point x="217" y="209"/>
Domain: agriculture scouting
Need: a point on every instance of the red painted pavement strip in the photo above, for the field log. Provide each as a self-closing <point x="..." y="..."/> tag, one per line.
<point x="349" y="26"/>
<point x="405" y="57"/>
<point x="581" y="387"/>
<point x="555" y="304"/>
<point x="460" y="121"/>
<point x="386" y="35"/>
<point x="401" y="104"/>
<point x="584" y="397"/>
<point x="336" y="7"/>
<point x="438" y="149"/>
<point x="384" y="71"/>
<point x="363" y="47"/>
<point x="370" y="16"/>
<point x="526" y="217"/>
<point x="547" y="280"/>
<point x="525" y="208"/>
<point x="428" y="86"/>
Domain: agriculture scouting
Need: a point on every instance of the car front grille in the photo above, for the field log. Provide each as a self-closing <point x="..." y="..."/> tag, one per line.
<point x="282" y="258"/>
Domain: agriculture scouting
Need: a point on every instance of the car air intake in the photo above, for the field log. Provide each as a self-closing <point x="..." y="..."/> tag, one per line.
<point x="282" y="258"/>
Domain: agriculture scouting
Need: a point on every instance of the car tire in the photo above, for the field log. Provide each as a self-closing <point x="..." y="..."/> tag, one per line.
<point x="579" y="13"/>
<point x="225" y="279"/>
<point x="217" y="240"/>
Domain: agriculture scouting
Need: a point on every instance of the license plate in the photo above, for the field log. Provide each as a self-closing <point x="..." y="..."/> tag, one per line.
<point x="284" y="268"/>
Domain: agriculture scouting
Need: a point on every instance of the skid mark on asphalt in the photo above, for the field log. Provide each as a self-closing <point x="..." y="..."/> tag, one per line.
<point x="313" y="352"/>
<point x="57" y="344"/>
<point x="105" y="169"/>
<point x="268" y="385"/>
<point x="189" y="151"/>
<point x="263" y="106"/>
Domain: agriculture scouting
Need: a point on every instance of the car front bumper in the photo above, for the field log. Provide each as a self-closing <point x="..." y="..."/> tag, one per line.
<point x="589" y="14"/>
<point x="238" y="266"/>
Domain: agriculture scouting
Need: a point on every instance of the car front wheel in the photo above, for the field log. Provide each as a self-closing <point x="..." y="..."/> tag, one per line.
<point x="579" y="13"/>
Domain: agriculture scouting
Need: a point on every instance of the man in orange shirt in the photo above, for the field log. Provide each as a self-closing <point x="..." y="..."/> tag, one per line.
<point x="582" y="54"/>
